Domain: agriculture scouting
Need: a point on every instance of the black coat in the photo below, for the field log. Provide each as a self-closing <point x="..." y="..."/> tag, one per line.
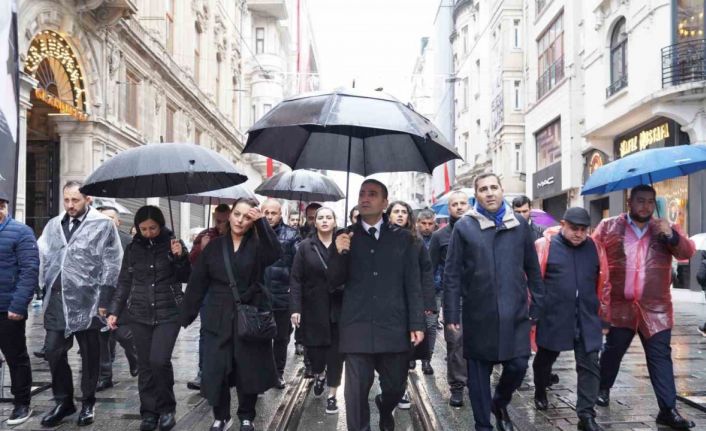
<point x="571" y="301"/>
<point x="438" y="247"/>
<point x="277" y="274"/>
<point x="490" y="268"/>
<point x="537" y="230"/>
<point x="150" y="281"/>
<point x="427" y="276"/>
<point x="247" y="365"/>
<point x="318" y="302"/>
<point x="382" y="300"/>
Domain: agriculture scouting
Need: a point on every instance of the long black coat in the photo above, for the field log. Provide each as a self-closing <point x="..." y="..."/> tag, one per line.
<point x="150" y="281"/>
<point x="277" y="274"/>
<point x="427" y="276"/>
<point x="223" y="350"/>
<point x="490" y="268"/>
<point x="382" y="300"/>
<point x="312" y="296"/>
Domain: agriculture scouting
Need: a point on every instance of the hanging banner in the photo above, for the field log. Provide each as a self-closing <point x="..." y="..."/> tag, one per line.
<point x="9" y="100"/>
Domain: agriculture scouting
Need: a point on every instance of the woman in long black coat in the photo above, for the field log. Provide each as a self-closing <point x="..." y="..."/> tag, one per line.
<point x="154" y="268"/>
<point x="251" y="245"/>
<point x="316" y="306"/>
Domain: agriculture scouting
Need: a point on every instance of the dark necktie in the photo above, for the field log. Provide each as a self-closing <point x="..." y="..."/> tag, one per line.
<point x="372" y="231"/>
<point x="74" y="225"/>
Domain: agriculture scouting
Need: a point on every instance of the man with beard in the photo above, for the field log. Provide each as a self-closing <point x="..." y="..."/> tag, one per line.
<point x="425" y="229"/>
<point x="456" y="370"/>
<point x="277" y="282"/>
<point x="640" y="250"/>
<point x="490" y="263"/>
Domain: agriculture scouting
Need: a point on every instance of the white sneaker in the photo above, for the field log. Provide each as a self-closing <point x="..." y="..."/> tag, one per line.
<point x="405" y="403"/>
<point x="20" y="414"/>
<point x="219" y="425"/>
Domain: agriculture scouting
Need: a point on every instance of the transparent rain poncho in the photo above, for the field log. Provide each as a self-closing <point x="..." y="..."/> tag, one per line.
<point x="89" y="266"/>
<point x="640" y="274"/>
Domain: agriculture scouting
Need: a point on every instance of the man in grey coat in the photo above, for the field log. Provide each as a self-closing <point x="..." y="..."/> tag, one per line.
<point x="490" y="263"/>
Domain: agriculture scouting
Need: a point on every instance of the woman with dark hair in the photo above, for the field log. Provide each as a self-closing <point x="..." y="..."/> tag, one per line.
<point x="229" y="360"/>
<point x="154" y="267"/>
<point x="316" y="306"/>
<point x="400" y="213"/>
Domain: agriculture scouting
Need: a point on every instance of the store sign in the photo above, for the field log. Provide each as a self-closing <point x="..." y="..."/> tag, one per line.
<point x="60" y="105"/>
<point x="547" y="181"/>
<point x="594" y="160"/>
<point x="656" y="134"/>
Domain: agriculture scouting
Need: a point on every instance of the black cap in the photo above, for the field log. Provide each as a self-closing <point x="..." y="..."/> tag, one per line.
<point x="577" y="216"/>
<point x="4" y="197"/>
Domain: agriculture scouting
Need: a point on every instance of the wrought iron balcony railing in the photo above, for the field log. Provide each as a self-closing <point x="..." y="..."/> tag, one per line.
<point x="684" y="62"/>
<point x="616" y="86"/>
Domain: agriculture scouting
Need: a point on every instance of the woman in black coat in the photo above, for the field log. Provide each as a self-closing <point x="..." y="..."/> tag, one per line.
<point x="249" y="247"/>
<point x="316" y="306"/>
<point x="400" y="213"/>
<point x="154" y="267"/>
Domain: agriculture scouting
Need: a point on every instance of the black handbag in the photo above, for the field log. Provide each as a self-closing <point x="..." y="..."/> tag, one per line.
<point x="253" y="324"/>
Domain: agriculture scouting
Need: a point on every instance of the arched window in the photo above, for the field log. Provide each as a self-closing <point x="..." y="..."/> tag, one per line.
<point x="618" y="58"/>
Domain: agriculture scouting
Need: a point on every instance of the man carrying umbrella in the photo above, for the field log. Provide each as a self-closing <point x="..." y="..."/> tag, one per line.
<point x="81" y="256"/>
<point x="277" y="282"/>
<point x="490" y="262"/>
<point x="640" y="251"/>
<point x="382" y="314"/>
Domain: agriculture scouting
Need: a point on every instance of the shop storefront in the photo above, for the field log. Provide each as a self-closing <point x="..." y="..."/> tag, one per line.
<point x="547" y="189"/>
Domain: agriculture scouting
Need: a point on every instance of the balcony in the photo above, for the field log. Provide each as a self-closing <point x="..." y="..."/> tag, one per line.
<point x="616" y="86"/>
<point x="274" y="8"/>
<point x="683" y="62"/>
<point x="550" y="77"/>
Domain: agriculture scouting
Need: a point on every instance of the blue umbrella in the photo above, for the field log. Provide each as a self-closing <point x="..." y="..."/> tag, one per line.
<point x="646" y="167"/>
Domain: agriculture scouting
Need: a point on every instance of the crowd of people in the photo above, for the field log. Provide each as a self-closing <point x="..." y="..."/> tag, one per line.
<point x="362" y="299"/>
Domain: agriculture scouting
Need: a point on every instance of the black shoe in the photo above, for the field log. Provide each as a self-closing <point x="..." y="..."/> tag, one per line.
<point x="702" y="329"/>
<point x="674" y="420"/>
<point x="331" y="406"/>
<point x="387" y="422"/>
<point x="167" y="421"/>
<point x="219" y="425"/>
<point x="308" y="372"/>
<point x="553" y="379"/>
<point x="456" y="399"/>
<point x="298" y="349"/>
<point x="86" y="416"/>
<point x="280" y="383"/>
<point x="540" y="399"/>
<point x="134" y="370"/>
<point x="41" y="353"/>
<point x="588" y="424"/>
<point x="57" y="414"/>
<point x="195" y="385"/>
<point x="502" y="419"/>
<point x="405" y="402"/>
<point x="149" y="423"/>
<point x="319" y="386"/>
<point x="603" y="399"/>
<point x="427" y="369"/>
<point x="412" y="365"/>
<point x="103" y="385"/>
<point x="246" y="425"/>
<point x="19" y="415"/>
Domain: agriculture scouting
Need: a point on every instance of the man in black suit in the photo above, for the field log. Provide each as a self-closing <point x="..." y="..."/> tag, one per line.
<point x="382" y="315"/>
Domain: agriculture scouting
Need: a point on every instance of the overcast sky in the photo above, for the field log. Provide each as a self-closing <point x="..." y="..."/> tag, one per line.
<point x="375" y="42"/>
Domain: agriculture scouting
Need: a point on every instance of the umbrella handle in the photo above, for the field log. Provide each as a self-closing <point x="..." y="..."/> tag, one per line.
<point x="348" y="179"/>
<point x="171" y="216"/>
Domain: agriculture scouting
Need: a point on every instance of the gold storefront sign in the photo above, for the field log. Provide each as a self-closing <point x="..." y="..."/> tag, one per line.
<point x="62" y="106"/>
<point x="644" y="139"/>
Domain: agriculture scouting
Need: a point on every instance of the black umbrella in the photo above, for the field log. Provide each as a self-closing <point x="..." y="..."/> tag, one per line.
<point x="168" y="169"/>
<point x="216" y="197"/>
<point x="349" y="130"/>
<point x="300" y="185"/>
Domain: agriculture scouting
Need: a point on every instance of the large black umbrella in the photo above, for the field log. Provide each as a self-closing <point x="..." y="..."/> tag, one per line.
<point x="300" y="185"/>
<point x="216" y="197"/>
<point x="349" y="130"/>
<point x="167" y="169"/>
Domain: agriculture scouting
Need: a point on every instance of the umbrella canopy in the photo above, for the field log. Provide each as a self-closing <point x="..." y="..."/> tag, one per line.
<point x="542" y="218"/>
<point x="300" y="185"/>
<point x="646" y="167"/>
<point x="349" y="130"/>
<point x="168" y="169"/>
<point x="110" y="202"/>
<point x="216" y="197"/>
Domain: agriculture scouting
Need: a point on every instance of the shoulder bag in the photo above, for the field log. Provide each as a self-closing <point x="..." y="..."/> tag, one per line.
<point x="253" y="324"/>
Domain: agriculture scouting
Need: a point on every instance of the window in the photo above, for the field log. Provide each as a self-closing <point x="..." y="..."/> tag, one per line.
<point x="197" y="55"/>
<point x="618" y="58"/>
<point x="548" y="144"/>
<point x="539" y="6"/>
<point x="170" y="25"/>
<point x="464" y="38"/>
<point x="517" y="103"/>
<point x="197" y="136"/>
<point x="266" y="108"/>
<point x="259" y="40"/>
<point x="131" y="99"/>
<point x="466" y="150"/>
<point x="519" y="164"/>
<point x="169" y="133"/>
<point x="254" y="114"/>
<point x="550" y="47"/>
<point x="236" y="92"/>
<point x="477" y="77"/>
<point x="464" y="95"/>
<point x="219" y="69"/>
<point x="516" y="33"/>
<point x="690" y="20"/>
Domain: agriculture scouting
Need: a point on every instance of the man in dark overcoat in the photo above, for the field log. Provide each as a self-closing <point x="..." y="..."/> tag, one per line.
<point x="575" y="274"/>
<point x="382" y="315"/>
<point x="490" y="262"/>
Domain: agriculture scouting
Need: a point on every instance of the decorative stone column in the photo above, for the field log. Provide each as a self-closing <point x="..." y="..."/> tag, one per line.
<point x="75" y="148"/>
